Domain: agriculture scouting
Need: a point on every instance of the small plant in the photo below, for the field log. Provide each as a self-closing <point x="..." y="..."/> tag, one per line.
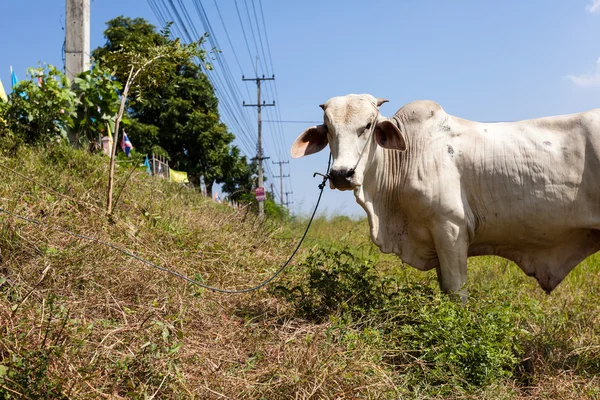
<point x="337" y="281"/>
<point x="449" y="345"/>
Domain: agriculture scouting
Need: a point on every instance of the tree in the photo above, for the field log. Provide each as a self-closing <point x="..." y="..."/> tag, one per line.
<point x="147" y="62"/>
<point x="126" y="37"/>
<point x="179" y="115"/>
<point x="239" y="176"/>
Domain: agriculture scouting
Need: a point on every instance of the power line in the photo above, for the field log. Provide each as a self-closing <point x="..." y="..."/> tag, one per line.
<point x="221" y="77"/>
<point x="224" y="68"/>
<point x="227" y="97"/>
<point x="230" y="43"/>
<point x="251" y="27"/>
<point x="266" y="35"/>
<point x="244" y="33"/>
<point x="260" y="37"/>
<point x="270" y="60"/>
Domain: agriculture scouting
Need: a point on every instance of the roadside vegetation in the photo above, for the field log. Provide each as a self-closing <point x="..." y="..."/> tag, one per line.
<point x="80" y="320"/>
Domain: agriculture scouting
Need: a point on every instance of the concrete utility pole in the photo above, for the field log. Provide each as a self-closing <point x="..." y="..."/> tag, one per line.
<point x="281" y="176"/>
<point x="77" y="37"/>
<point x="259" y="153"/>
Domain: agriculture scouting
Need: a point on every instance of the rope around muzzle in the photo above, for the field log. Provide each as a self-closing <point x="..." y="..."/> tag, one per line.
<point x="177" y="274"/>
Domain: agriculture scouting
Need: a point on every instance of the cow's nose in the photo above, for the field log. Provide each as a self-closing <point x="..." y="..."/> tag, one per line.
<point x="341" y="177"/>
<point x="341" y="173"/>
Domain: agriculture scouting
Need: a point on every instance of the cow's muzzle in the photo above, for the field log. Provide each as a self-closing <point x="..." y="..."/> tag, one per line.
<point x="341" y="179"/>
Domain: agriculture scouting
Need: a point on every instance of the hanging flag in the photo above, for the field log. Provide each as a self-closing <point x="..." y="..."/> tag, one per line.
<point x="13" y="77"/>
<point x="126" y="145"/>
<point x="3" y="95"/>
<point x="109" y="130"/>
<point x="147" y="165"/>
<point x="178" y="176"/>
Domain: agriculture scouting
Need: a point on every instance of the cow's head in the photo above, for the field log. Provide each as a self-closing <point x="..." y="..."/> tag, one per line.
<point x="349" y="123"/>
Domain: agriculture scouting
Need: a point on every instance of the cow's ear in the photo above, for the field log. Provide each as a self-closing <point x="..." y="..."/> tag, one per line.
<point x="311" y="141"/>
<point x="388" y="136"/>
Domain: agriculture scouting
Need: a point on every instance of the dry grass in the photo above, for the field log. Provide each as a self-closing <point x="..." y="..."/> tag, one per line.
<point x="79" y="320"/>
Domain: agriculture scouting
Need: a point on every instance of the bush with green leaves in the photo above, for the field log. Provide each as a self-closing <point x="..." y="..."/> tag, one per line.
<point x="41" y="112"/>
<point x="336" y="281"/>
<point x="433" y="341"/>
<point x="98" y="103"/>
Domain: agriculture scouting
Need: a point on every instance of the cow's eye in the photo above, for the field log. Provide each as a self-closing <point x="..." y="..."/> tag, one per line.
<point x="365" y="130"/>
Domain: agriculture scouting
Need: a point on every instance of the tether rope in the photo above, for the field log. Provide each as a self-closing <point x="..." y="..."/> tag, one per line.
<point x="177" y="274"/>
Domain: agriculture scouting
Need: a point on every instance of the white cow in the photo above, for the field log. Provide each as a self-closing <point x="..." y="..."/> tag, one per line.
<point x="438" y="188"/>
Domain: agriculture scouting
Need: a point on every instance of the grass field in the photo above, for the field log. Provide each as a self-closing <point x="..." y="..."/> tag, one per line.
<point x="79" y="320"/>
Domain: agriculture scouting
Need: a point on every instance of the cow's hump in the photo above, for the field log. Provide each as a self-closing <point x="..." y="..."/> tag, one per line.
<point x="419" y="110"/>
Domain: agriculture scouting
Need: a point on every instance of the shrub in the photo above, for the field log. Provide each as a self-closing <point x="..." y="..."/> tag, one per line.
<point x="433" y="341"/>
<point x="40" y="113"/>
<point x="98" y="103"/>
<point x="336" y="281"/>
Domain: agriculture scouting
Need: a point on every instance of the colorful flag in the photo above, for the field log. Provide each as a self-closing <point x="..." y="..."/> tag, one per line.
<point x="2" y="92"/>
<point x="13" y="77"/>
<point x="147" y="165"/>
<point x="178" y="176"/>
<point x="126" y="145"/>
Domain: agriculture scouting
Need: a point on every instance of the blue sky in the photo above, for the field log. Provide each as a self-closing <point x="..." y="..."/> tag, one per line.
<point x="487" y="61"/>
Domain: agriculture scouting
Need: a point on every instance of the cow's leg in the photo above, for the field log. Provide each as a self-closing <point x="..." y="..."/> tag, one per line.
<point x="451" y="245"/>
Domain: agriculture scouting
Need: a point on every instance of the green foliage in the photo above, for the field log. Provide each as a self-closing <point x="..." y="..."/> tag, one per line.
<point x="272" y="210"/>
<point x="135" y="50"/>
<point x="38" y="114"/>
<point x="98" y="95"/>
<point x="4" y="106"/>
<point x="240" y="176"/>
<point x="434" y="341"/>
<point x="336" y="282"/>
<point x="453" y="345"/>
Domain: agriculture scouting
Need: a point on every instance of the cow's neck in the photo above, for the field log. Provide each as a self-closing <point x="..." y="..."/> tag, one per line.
<point x="385" y="196"/>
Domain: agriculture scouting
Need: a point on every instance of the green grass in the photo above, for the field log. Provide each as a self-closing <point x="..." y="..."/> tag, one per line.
<point x="79" y="320"/>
